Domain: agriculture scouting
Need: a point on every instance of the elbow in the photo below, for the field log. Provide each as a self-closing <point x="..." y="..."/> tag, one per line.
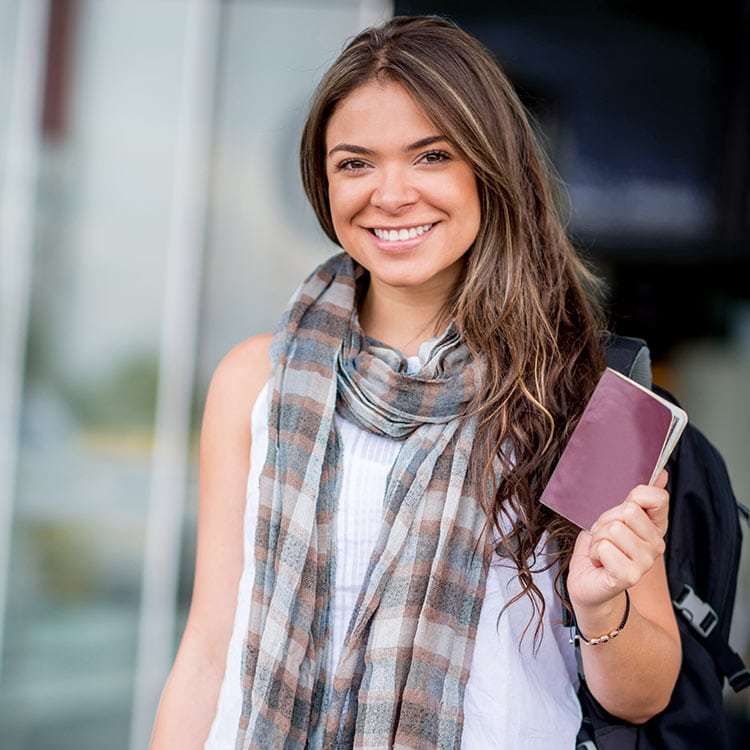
<point x="645" y="712"/>
<point x="643" y="718"/>
<point x="656" y="705"/>
<point x="653" y="710"/>
<point x="639" y="714"/>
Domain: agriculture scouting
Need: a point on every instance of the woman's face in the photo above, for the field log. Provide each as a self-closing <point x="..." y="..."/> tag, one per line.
<point x="383" y="176"/>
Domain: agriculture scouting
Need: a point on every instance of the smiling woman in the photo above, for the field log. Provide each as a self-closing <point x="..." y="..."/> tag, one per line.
<point x="380" y="199"/>
<point x="406" y="415"/>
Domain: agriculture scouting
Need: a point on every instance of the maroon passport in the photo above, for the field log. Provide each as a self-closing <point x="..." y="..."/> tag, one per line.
<point x="623" y="438"/>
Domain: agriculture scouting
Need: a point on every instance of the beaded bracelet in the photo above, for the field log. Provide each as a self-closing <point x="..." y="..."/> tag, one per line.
<point x="612" y="633"/>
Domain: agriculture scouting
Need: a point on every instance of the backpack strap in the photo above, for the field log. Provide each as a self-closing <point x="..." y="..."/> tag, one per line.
<point x="703" y="619"/>
<point x="630" y="356"/>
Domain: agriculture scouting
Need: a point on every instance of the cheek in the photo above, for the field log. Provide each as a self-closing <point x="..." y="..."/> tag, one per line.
<point x="345" y="200"/>
<point x="472" y="212"/>
<point x="459" y="196"/>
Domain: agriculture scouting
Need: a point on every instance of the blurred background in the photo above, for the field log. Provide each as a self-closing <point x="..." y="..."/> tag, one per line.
<point x="151" y="216"/>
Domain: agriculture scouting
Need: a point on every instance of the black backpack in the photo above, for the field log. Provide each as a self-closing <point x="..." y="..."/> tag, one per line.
<point x="703" y="544"/>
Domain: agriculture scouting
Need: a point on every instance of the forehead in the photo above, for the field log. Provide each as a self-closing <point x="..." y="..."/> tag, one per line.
<point x="380" y="113"/>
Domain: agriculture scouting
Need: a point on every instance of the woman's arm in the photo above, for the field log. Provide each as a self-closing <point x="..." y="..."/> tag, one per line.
<point x="634" y="674"/>
<point x="188" y="700"/>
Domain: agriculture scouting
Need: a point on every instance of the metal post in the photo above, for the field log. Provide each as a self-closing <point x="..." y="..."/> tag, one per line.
<point x="17" y="199"/>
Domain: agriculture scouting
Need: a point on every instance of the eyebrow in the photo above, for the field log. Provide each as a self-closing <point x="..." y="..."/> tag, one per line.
<point x="369" y="152"/>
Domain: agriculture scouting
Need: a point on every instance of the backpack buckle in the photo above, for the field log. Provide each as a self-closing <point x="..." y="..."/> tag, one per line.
<point x="739" y="680"/>
<point x="701" y="615"/>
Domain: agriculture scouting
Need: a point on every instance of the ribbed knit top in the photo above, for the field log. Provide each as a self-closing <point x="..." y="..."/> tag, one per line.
<point x="513" y="699"/>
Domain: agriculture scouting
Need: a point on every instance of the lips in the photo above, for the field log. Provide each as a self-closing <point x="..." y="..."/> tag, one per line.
<point x="403" y="232"/>
<point x="398" y="246"/>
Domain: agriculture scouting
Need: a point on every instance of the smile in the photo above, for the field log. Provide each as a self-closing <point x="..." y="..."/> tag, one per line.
<point x="402" y="233"/>
<point x="401" y="238"/>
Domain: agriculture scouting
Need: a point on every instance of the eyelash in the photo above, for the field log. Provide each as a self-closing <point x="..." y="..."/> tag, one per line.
<point x="343" y="165"/>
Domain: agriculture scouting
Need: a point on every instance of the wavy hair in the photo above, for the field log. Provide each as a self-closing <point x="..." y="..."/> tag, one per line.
<point x="525" y="298"/>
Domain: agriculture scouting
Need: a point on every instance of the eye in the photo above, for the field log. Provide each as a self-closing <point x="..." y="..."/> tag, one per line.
<point x="444" y="156"/>
<point x="344" y="166"/>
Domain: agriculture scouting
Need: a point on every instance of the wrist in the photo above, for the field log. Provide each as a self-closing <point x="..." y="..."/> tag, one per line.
<point x="594" y="621"/>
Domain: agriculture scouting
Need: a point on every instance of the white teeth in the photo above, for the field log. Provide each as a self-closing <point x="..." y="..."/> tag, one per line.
<point x="392" y="235"/>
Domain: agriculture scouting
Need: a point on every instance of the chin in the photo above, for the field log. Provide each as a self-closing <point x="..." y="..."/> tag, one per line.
<point x="399" y="272"/>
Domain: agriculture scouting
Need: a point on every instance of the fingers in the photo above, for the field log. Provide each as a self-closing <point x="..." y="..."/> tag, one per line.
<point x="621" y="571"/>
<point x="649" y="497"/>
<point x="632" y="515"/>
<point x="637" y="550"/>
<point x="653" y="503"/>
<point x="633" y="531"/>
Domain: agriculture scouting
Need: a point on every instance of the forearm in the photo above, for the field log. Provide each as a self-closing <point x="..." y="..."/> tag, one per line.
<point x="633" y="674"/>
<point x="188" y="702"/>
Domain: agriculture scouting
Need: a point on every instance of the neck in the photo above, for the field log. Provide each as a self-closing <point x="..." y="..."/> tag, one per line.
<point x="404" y="317"/>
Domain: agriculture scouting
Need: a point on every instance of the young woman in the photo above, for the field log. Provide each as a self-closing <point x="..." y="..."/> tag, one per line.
<point x="404" y="419"/>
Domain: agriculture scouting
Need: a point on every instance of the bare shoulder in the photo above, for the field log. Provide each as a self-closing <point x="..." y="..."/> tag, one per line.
<point x="244" y="369"/>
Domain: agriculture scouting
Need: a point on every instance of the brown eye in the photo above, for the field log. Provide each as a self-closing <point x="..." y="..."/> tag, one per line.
<point x="442" y="154"/>
<point x="344" y="166"/>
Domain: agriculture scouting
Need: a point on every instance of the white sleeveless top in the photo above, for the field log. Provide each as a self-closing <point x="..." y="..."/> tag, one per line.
<point x="512" y="700"/>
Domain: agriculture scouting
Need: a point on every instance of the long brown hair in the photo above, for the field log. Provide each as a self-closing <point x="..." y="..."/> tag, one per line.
<point x="526" y="299"/>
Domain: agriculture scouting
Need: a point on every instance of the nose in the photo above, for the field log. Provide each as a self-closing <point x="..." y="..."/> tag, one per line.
<point x="393" y="190"/>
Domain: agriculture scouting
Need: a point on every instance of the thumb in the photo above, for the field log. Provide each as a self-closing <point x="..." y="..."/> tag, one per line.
<point x="662" y="479"/>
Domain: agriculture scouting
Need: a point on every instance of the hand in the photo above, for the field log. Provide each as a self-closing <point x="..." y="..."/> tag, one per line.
<point x="622" y="545"/>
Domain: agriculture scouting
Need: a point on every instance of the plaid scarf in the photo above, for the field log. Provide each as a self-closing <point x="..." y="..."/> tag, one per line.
<point x="401" y="675"/>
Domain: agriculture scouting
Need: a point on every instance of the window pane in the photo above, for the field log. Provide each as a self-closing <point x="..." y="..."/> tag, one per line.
<point x="105" y="181"/>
